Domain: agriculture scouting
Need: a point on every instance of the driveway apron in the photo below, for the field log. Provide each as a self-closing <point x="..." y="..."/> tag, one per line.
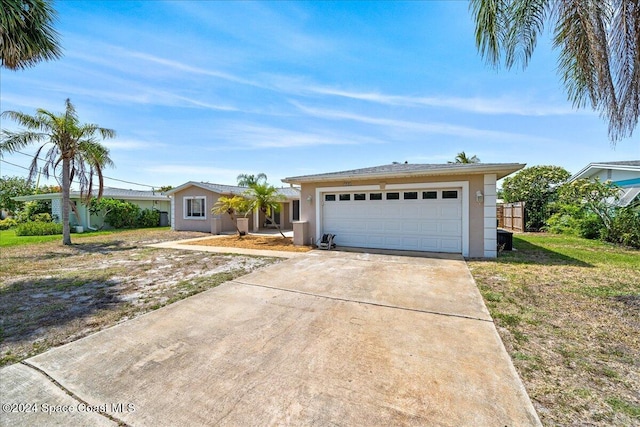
<point x="324" y="339"/>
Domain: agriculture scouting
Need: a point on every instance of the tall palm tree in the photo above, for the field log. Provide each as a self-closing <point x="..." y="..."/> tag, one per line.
<point x="266" y="198"/>
<point x="246" y="180"/>
<point x="463" y="158"/>
<point x="68" y="143"/>
<point x="599" y="43"/>
<point x="27" y="35"/>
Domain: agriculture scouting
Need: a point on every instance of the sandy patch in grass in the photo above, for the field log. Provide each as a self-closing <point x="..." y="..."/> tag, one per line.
<point x="276" y="243"/>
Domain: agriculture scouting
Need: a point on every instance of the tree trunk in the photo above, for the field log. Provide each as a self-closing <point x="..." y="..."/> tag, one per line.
<point x="66" y="190"/>
<point x="276" y="224"/>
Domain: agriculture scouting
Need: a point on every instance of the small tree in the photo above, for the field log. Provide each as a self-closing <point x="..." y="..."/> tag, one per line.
<point x="247" y="180"/>
<point x="536" y="186"/>
<point x="10" y="187"/>
<point x="266" y="198"/>
<point x="598" y="197"/>
<point x="232" y="206"/>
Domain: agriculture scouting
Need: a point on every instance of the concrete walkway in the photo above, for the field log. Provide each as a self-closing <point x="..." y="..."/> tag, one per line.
<point x="324" y="339"/>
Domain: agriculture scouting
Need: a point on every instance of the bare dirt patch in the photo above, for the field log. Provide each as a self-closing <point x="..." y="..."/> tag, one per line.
<point x="275" y="243"/>
<point x="52" y="294"/>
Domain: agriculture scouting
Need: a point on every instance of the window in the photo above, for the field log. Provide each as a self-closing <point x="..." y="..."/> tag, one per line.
<point x="344" y="197"/>
<point x="410" y="195"/>
<point x="429" y="195"/>
<point x="329" y="197"/>
<point x="393" y="196"/>
<point x="375" y="196"/>
<point x="450" y="194"/>
<point x="359" y="196"/>
<point x="296" y="210"/>
<point x="195" y="208"/>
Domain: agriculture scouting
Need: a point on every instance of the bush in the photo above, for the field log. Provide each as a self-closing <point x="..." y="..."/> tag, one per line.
<point x="42" y="217"/>
<point x="566" y="220"/>
<point x="149" y="218"/>
<point x="122" y="214"/>
<point x="7" y="223"/>
<point x="625" y="228"/>
<point x="38" y="229"/>
<point x="591" y="226"/>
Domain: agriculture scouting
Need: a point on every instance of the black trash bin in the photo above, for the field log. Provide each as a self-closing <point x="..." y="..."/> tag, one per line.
<point x="164" y="219"/>
<point x="505" y="240"/>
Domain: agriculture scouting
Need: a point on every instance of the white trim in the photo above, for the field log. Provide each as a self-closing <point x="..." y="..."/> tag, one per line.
<point x="426" y="185"/>
<point x="489" y="212"/>
<point x="184" y="208"/>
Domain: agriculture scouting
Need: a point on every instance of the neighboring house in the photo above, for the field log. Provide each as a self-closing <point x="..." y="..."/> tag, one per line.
<point x="420" y="207"/>
<point x="144" y="199"/>
<point x="624" y="174"/>
<point x="191" y="205"/>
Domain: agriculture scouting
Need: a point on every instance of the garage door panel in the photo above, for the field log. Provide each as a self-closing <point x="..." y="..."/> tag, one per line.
<point x="412" y="224"/>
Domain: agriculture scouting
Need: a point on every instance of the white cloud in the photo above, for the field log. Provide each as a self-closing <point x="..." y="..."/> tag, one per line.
<point x="418" y="127"/>
<point x="502" y="105"/>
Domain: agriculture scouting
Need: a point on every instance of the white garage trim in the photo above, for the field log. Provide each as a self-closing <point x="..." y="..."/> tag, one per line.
<point x="464" y="185"/>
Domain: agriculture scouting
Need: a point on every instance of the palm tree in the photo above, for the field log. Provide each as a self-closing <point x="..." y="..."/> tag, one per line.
<point x="69" y="143"/>
<point x="266" y="198"/>
<point x="27" y="34"/>
<point x="246" y="180"/>
<point x="462" y="158"/>
<point x="231" y="206"/>
<point x="599" y="44"/>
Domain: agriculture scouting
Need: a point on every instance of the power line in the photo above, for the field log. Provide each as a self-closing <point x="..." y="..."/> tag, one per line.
<point x="104" y="176"/>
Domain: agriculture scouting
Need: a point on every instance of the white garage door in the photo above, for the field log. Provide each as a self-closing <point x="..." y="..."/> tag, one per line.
<point x="421" y="220"/>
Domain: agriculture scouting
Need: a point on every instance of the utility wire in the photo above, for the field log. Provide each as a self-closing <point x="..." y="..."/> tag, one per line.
<point x="104" y="176"/>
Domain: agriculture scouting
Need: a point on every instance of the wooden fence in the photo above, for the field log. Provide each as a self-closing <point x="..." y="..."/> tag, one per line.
<point x="511" y="216"/>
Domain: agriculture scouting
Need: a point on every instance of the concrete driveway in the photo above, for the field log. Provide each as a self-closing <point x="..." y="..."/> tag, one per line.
<point x="325" y="339"/>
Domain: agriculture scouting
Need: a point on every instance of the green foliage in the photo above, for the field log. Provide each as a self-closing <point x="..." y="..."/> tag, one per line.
<point x="625" y="227"/>
<point x="123" y="214"/>
<point x="265" y="197"/>
<point x="536" y="187"/>
<point x="32" y="209"/>
<point x="13" y="186"/>
<point x="117" y="213"/>
<point x="148" y="218"/>
<point x="232" y="206"/>
<point x="575" y="220"/>
<point x="33" y="228"/>
<point x="7" y="223"/>
<point x="42" y="217"/>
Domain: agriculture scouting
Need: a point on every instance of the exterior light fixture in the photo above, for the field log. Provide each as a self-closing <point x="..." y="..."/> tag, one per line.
<point x="479" y="196"/>
<point x="309" y="198"/>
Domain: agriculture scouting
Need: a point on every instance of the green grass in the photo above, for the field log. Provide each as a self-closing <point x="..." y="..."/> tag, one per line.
<point x="567" y="311"/>
<point x="8" y="238"/>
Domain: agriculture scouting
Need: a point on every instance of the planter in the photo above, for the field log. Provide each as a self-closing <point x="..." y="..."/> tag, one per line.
<point x="79" y="229"/>
<point x="243" y="225"/>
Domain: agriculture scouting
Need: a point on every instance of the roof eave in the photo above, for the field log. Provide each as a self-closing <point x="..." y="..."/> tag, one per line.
<point x="501" y="171"/>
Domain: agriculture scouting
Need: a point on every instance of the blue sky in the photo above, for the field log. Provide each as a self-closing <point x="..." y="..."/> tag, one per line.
<point x="206" y="90"/>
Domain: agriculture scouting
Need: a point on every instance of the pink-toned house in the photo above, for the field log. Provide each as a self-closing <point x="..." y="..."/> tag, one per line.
<point x="191" y="205"/>
<point x="419" y="207"/>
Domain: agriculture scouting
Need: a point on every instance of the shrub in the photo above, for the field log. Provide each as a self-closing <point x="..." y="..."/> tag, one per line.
<point x="149" y="218"/>
<point x="33" y="228"/>
<point x="7" y="223"/>
<point x="42" y="217"/>
<point x="625" y="227"/>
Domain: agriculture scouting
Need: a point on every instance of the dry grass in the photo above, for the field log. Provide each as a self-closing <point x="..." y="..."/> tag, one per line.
<point x="271" y="243"/>
<point x="52" y="294"/>
<point x="568" y="312"/>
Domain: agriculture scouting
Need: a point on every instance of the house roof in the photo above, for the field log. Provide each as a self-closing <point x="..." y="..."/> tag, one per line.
<point x="109" y="192"/>
<point x="406" y="170"/>
<point x="591" y="168"/>
<point x="288" y="192"/>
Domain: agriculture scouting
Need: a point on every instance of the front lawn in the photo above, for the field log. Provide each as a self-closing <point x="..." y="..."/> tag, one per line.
<point x="8" y="238"/>
<point x="568" y="312"/>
